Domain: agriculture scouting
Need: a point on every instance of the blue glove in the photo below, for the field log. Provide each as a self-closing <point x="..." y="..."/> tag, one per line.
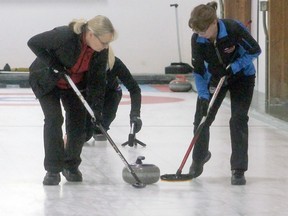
<point x="137" y="123"/>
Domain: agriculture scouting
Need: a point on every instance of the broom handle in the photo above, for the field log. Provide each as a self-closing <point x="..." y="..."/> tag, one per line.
<point x="177" y="30"/>
<point x="80" y="96"/>
<point x="200" y="127"/>
<point x="90" y="111"/>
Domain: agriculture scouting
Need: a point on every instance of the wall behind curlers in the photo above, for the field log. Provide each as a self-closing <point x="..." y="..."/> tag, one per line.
<point x="146" y="42"/>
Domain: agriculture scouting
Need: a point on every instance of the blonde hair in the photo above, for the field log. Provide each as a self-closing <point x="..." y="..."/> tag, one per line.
<point x="99" y="25"/>
<point x="111" y="58"/>
<point x="203" y="16"/>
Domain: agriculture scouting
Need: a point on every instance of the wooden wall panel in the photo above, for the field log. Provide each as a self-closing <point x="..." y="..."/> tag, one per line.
<point x="278" y="46"/>
<point x="238" y="9"/>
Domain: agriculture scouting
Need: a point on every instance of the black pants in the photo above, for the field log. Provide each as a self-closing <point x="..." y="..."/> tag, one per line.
<point x="241" y="92"/>
<point x="56" y="156"/>
<point x="111" y="103"/>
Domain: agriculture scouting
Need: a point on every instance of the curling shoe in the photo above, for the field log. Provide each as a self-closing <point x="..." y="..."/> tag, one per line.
<point x="73" y="175"/>
<point x="238" y="177"/>
<point x="196" y="168"/>
<point x="99" y="137"/>
<point x="88" y="136"/>
<point x="51" y="178"/>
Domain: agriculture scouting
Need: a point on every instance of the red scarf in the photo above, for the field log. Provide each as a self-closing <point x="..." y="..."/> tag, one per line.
<point x="82" y="65"/>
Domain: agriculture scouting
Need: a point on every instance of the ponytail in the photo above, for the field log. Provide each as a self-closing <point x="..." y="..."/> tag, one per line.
<point x="213" y="4"/>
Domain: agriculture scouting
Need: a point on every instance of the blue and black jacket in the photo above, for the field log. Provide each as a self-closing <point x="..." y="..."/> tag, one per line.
<point x="206" y="63"/>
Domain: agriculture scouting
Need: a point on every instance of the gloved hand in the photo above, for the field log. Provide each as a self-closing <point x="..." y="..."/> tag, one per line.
<point x="58" y="70"/>
<point x="96" y="122"/>
<point x="204" y="104"/>
<point x="60" y="73"/>
<point x="137" y="123"/>
<point x="224" y="71"/>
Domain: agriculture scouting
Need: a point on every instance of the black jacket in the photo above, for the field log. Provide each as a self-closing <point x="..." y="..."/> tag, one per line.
<point x="121" y="72"/>
<point x="60" y="48"/>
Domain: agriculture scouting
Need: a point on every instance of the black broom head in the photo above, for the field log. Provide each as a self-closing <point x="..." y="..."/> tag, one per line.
<point x="176" y="177"/>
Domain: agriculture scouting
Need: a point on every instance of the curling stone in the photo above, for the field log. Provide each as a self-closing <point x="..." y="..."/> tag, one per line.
<point x="180" y="84"/>
<point x="147" y="173"/>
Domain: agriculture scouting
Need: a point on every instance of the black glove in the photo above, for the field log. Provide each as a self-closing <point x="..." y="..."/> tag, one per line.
<point x="217" y="75"/>
<point x="204" y="104"/>
<point x="57" y="69"/>
<point x="137" y="123"/>
<point x="224" y="72"/>
<point x="60" y="73"/>
<point x="98" y="119"/>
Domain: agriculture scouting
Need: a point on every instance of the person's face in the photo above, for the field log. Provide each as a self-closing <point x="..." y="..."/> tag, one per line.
<point x="210" y="32"/>
<point x="98" y="43"/>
